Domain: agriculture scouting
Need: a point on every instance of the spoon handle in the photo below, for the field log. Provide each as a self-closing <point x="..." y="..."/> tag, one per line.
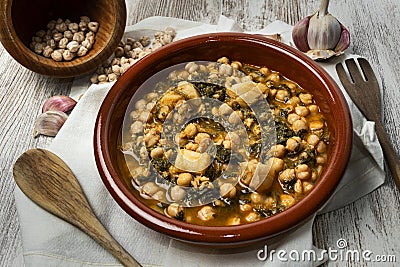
<point x="49" y="182"/>
<point x="96" y="230"/>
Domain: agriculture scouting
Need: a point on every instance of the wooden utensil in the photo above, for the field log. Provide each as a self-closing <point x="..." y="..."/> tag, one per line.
<point x="363" y="89"/>
<point x="48" y="182"/>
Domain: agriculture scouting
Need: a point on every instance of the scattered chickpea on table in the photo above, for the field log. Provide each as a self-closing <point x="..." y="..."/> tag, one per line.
<point x="128" y="53"/>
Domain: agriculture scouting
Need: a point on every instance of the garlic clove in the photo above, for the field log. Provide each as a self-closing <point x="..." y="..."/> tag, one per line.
<point x="344" y="41"/>
<point x="299" y="34"/>
<point x="59" y="103"/>
<point x="49" y="123"/>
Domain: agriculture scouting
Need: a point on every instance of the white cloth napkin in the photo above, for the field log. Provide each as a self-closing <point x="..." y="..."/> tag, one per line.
<point x="49" y="241"/>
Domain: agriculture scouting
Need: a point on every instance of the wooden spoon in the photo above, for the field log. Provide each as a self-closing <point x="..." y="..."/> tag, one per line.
<point x="48" y="182"/>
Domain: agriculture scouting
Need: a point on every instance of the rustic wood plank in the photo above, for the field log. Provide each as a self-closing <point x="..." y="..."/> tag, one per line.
<point x="22" y="93"/>
<point x="369" y="223"/>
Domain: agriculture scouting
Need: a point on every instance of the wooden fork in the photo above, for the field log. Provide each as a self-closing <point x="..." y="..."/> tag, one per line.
<point x="363" y="88"/>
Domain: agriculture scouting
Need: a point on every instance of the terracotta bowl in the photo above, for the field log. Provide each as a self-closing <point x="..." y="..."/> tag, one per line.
<point x="256" y="50"/>
<point x="21" y="19"/>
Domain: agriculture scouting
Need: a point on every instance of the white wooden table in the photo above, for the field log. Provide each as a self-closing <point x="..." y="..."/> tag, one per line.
<point x="370" y="223"/>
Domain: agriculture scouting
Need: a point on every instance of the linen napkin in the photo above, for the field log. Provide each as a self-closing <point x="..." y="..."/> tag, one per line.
<point x="49" y="241"/>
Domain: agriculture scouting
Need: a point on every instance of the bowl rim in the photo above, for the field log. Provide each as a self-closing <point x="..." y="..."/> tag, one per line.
<point x="223" y="235"/>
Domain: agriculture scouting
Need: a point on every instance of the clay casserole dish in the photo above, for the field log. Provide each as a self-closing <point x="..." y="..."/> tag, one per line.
<point x="250" y="49"/>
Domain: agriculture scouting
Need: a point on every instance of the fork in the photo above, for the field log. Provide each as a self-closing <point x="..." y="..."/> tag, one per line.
<point x="363" y="88"/>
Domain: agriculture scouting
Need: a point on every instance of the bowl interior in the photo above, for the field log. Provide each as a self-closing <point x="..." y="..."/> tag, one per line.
<point x="248" y="49"/>
<point x="23" y="18"/>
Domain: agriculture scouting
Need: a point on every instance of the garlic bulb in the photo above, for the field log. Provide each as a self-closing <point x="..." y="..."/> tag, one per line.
<point x="59" y="102"/>
<point x="321" y="35"/>
<point x="49" y="123"/>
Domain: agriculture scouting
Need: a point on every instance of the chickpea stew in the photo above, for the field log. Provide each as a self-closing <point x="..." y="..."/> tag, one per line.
<point x="223" y="143"/>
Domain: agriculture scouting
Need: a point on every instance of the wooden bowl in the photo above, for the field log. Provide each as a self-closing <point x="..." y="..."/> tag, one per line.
<point x="250" y="49"/>
<point x="21" y="19"/>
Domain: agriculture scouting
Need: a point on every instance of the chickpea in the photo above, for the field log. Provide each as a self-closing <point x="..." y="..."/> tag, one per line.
<point x="174" y="209"/>
<point x="287" y="175"/>
<point x="290" y="85"/>
<point x="293" y="101"/>
<point x="265" y="71"/>
<point x="157" y="152"/>
<point x="246" y="207"/>
<point x="312" y="139"/>
<point x="191" y="146"/>
<point x="278" y="151"/>
<point x="313" y="108"/>
<point x="316" y="125"/>
<point x="269" y="202"/>
<point x="140" y="104"/>
<point x="307" y="187"/>
<point x="144" y="116"/>
<point x="200" y="137"/>
<point x="293" y="144"/>
<point x="287" y="200"/>
<point x="228" y="190"/>
<point x="306" y="98"/>
<point x="303" y="172"/>
<point x="236" y="65"/>
<point x="302" y="111"/>
<point x="206" y="213"/>
<point x="204" y="145"/>
<point x="233" y="221"/>
<point x="299" y="125"/>
<point x="151" y="138"/>
<point x="163" y="112"/>
<point x="177" y="193"/>
<point x="314" y="176"/>
<point x="191" y="67"/>
<point x="225" y="69"/>
<point x="274" y="77"/>
<point x="255" y="198"/>
<point x="136" y="127"/>
<point x="282" y="95"/>
<point x="298" y="187"/>
<point x="277" y="165"/>
<point x="252" y="217"/>
<point x="321" y="147"/>
<point x="184" y="179"/>
<point x="189" y="131"/>
<point x="223" y="60"/>
<point x="179" y="140"/>
<point x="321" y="159"/>
<point x="292" y="117"/>
<point x="227" y="144"/>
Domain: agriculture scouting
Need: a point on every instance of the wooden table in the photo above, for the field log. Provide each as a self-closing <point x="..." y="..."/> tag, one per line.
<point x="370" y="223"/>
